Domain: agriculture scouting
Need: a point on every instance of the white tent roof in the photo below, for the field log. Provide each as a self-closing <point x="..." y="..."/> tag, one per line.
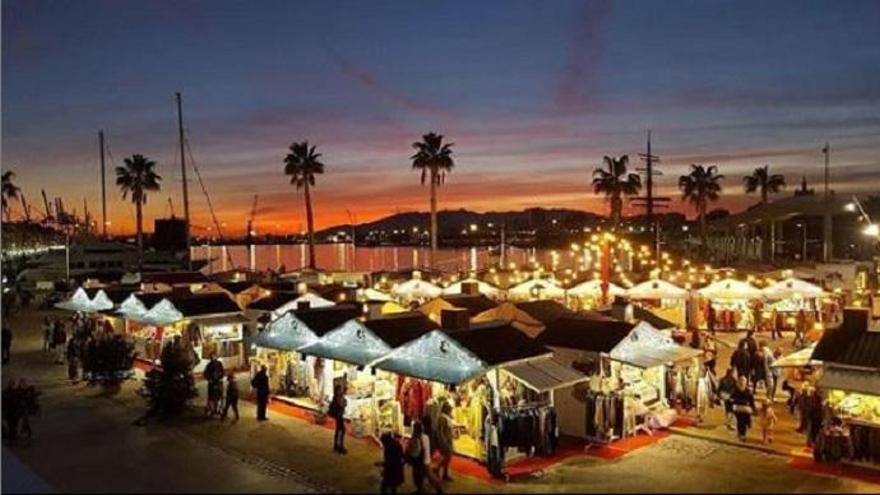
<point x="314" y="300"/>
<point x="101" y="302"/>
<point x="593" y="288"/>
<point x="132" y="306"/>
<point x="370" y="294"/>
<point x="434" y="356"/>
<point x="79" y="301"/>
<point x="537" y="288"/>
<point x="646" y="347"/>
<point x="730" y="288"/>
<point x="484" y="288"/>
<point x="416" y="288"/>
<point x="791" y="288"/>
<point x="656" y="289"/>
<point x="163" y="313"/>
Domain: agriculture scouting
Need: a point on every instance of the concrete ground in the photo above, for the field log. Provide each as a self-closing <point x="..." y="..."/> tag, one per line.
<point x="85" y="441"/>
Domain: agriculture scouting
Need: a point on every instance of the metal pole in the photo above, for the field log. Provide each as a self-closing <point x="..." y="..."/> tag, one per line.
<point x="103" y="186"/>
<point x="183" y="176"/>
<point x="67" y="257"/>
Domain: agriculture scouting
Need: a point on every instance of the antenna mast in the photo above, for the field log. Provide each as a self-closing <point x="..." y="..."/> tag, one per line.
<point x="103" y="186"/>
<point x="183" y="176"/>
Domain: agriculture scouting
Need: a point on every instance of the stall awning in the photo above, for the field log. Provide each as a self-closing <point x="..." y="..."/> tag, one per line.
<point x="797" y="359"/>
<point x="646" y="347"/>
<point x="351" y="343"/>
<point x="546" y="374"/>
<point x="287" y="333"/>
<point x="232" y="319"/>
<point x="435" y="357"/>
<point x="863" y="382"/>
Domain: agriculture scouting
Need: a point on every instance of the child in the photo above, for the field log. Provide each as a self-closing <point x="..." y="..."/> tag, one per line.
<point x="768" y="421"/>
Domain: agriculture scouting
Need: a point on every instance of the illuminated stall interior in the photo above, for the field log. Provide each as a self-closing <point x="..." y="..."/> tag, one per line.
<point x="789" y="297"/>
<point x="665" y="299"/>
<point x="733" y="301"/>
<point x="588" y="295"/>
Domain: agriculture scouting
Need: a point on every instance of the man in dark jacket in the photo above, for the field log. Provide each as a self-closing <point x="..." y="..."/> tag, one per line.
<point x="337" y="412"/>
<point x="726" y="388"/>
<point x="231" y="397"/>
<point x="260" y="384"/>
<point x="741" y="360"/>
<point x="214" y="374"/>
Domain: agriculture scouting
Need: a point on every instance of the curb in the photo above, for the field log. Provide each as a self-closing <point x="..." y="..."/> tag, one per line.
<point x="733" y="443"/>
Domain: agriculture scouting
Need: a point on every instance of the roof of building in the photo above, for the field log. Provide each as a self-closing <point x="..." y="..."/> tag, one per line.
<point x="585" y="334"/>
<point x="117" y="293"/>
<point x="784" y="208"/>
<point x="237" y="287"/>
<point x="273" y="301"/>
<point x="173" y="278"/>
<point x="399" y="328"/>
<point x="322" y="320"/>
<point x="850" y="344"/>
<point x="280" y="285"/>
<point x="474" y="304"/>
<point x="205" y="303"/>
<point x="545" y="311"/>
<point x="497" y="343"/>
<point x="640" y="313"/>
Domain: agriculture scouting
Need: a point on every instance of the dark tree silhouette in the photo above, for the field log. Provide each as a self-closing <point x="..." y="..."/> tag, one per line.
<point x="434" y="159"/>
<point x="763" y="182"/>
<point x="135" y="179"/>
<point x="10" y="191"/>
<point x="302" y="164"/>
<point x="700" y="187"/>
<point x="615" y="183"/>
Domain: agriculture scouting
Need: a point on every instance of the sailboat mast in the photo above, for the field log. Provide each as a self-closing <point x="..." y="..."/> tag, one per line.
<point x="183" y="176"/>
<point x="103" y="185"/>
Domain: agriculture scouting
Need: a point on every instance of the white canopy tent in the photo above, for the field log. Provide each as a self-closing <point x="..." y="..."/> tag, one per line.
<point x="797" y="359"/>
<point x="647" y="347"/>
<point x="656" y="289"/>
<point x="416" y="288"/>
<point x="80" y="301"/>
<point x="314" y="300"/>
<point x="132" y="306"/>
<point x="730" y="289"/>
<point x="593" y="288"/>
<point x="537" y="289"/>
<point x="370" y="294"/>
<point x="792" y="288"/>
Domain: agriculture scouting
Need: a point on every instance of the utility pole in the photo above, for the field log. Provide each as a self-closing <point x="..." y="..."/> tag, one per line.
<point x="103" y="186"/>
<point x="827" y="247"/>
<point x="649" y="201"/>
<point x="183" y="176"/>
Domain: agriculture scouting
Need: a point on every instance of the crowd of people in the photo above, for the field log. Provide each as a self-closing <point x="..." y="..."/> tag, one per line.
<point x="92" y="351"/>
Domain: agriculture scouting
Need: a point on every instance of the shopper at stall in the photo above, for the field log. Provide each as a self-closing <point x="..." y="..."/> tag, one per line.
<point x="260" y="384"/>
<point x="214" y="374"/>
<point x="444" y="436"/>
<point x="392" y="464"/>
<point x="418" y="454"/>
<point x="711" y="319"/>
<point x="337" y="412"/>
<point x="743" y="407"/>
<point x="231" y="397"/>
<point x="726" y="388"/>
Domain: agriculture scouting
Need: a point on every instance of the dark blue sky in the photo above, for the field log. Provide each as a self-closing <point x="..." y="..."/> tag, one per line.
<point x="532" y="93"/>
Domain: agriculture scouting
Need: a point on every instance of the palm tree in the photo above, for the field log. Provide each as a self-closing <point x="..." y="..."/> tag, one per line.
<point x="136" y="178"/>
<point x="762" y="181"/>
<point x="699" y="188"/>
<point x="615" y="183"/>
<point x="10" y="191"/>
<point x="434" y="159"/>
<point x="302" y="165"/>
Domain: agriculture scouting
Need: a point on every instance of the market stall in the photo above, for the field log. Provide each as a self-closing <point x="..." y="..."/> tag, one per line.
<point x="474" y="285"/>
<point x="306" y="300"/>
<point x="80" y="302"/>
<point x="304" y="380"/>
<point x="851" y="383"/>
<point x="665" y="299"/>
<point x="509" y="313"/>
<point x="788" y="299"/>
<point x="733" y="301"/>
<point x="588" y="295"/>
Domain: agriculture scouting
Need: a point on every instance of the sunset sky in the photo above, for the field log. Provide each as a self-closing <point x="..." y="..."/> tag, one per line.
<point x="532" y="93"/>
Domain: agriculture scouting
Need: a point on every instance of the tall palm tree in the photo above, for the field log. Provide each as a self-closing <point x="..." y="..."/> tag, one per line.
<point x="135" y="179"/>
<point x="302" y="164"/>
<point x="615" y="183"/>
<point x="10" y="191"/>
<point x="434" y="159"/>
<point x="700" y="187"/>
<point x="762" y="181"/>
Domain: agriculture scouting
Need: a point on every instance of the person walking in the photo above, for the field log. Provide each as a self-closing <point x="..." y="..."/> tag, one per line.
<point x="743" y="407"/>
<point x="13" y="410"/>
<point x="47" y="334"/>
<point x="768" y="421"/>
<point x="231" y="397"/>
<point x="741" y="361"/>
<point x="73" y="356"/>
<point x="726" y="388"/>
<point x="711" y="319"/>
<point x="6" y="343"/>
<point x="337" y="412"/>
<point x="418" y="454"/>
<point x="800" y="330"/>
<point x="392" y="464"/>
<point x="776" y="325"/>
<point x="710" y="354"/>
<point x="214" y="374"/>
<point x="444" y="438"/>
<point x="60" y="340"/>
<point x="760" y="372"/>
<point x="260" y="384"/>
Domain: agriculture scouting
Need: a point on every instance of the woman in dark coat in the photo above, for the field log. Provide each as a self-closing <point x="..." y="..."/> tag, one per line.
<point x="392" y="464"/>
<point x="743" y="407"/>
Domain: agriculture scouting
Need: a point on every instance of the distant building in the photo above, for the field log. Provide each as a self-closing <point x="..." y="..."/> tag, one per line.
<point x="169" y="234"/>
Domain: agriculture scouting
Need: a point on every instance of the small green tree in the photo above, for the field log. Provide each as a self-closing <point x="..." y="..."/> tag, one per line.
<point x="170" y="387"/>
